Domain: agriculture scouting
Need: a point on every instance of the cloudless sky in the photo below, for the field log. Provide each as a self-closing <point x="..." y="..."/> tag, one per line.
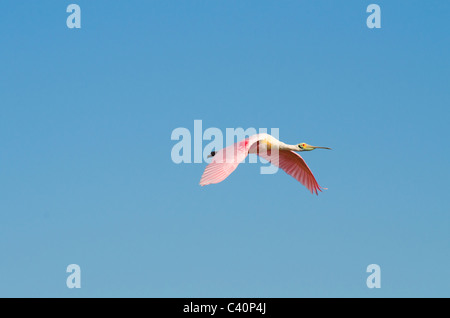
<point x="86" y="175"/>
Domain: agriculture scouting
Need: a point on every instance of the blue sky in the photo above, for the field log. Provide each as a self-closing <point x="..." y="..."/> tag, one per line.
<point x="86" y="175"/>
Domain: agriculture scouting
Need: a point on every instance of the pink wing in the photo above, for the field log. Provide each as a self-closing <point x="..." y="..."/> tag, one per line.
<point x="293" y="164"/>
<point x="226" y="161"/>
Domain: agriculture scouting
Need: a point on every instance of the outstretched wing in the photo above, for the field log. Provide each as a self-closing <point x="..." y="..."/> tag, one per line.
<point x="293" y="164"/>
<point x="226" y="160"/>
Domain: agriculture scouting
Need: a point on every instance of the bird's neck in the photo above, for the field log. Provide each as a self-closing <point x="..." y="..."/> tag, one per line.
<point x="284" y="146"/>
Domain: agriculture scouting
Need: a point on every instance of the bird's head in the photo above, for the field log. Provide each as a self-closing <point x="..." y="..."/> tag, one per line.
<point x="305" y="147"/>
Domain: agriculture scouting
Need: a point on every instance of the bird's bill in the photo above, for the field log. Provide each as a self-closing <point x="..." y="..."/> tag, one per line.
<point x="309" y="147"/>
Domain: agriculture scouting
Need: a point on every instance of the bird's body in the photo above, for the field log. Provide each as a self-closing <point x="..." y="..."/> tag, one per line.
<point x="264" y="142"/>
<point x="268" y="147"/>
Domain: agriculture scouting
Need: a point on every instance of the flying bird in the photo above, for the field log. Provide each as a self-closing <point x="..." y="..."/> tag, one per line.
<point x="282" y="155"/>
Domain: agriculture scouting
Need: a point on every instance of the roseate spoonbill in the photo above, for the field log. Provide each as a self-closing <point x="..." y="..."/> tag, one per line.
<point x="278" y="153"/>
